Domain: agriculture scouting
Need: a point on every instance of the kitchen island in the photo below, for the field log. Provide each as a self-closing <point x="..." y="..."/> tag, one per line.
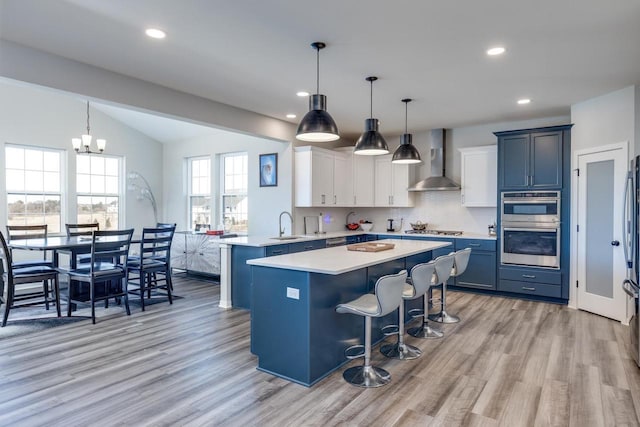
<point x="295" y="331"/>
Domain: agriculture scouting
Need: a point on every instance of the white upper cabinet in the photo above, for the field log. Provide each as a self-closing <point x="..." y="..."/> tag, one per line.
<point x="358" y="186"/>
<point x="321" y="178"/>
<point x="391" y="183"/>
<point x="478" y="173"/>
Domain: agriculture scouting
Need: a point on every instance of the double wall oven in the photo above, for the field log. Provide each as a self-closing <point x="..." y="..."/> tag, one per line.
<point x="530" y="228"/>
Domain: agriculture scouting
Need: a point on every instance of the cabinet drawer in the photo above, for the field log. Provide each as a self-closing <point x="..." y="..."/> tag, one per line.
<point x="531" y="275"/>
<point x="539" y="289"/>
<point x="476" y="244"/>
<point x="307" y="246"/>
<point x="277" y="250"/>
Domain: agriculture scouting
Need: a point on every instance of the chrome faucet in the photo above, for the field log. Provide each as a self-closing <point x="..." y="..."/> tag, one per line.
<point x="280" y="229"/>
<point x="348" y="215"/>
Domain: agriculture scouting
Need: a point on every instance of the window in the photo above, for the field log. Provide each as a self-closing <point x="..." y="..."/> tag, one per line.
<point x="98" y="190"/>
<point x="200" y="192"/>
<point x="234" y="191"/>
<point x="33" y="183"/>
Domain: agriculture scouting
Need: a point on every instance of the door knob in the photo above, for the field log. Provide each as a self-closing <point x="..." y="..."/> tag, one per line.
<point x="615" y="243"/>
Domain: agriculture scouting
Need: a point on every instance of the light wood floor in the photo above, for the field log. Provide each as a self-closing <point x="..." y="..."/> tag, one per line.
<point x="509" y="362"/>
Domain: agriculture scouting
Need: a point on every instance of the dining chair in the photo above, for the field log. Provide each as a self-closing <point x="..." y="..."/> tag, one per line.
<point x="151" y="270"/>
<point x="105" y="275"/>
<point x="19" y="282"/>
<point x="20" y="232"/>
<point x="74" y="230"/>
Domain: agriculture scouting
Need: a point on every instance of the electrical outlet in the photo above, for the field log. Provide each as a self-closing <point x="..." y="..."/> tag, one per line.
<point x="293" y="293"/>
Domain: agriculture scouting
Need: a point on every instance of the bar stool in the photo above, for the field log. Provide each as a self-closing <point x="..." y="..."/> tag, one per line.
<point x="422" y="277"/>
<point x="444" y="267"/>
<point x="387" y="297"/>
<point x="417" y="286"/>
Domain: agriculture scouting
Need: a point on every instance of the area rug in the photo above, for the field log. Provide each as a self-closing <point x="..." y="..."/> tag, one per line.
<point x="29" y="320"/>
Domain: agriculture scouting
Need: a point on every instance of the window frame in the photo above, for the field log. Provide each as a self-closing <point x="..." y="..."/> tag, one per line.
<point x="61" y="193"/>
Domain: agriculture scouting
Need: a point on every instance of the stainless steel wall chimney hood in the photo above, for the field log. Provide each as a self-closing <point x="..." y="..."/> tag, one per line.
<point x="437" y="181"/>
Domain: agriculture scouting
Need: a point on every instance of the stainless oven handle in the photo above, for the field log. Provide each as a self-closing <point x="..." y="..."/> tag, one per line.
<point x="550" y="227"/>
<point x="529" y="202"/>
<point x="630" y="288"/>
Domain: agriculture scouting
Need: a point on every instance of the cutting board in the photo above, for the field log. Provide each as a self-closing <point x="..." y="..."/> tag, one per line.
<point x="371" y="247"/>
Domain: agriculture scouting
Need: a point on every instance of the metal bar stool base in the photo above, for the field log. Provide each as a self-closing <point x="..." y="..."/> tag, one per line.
<point x="423" y="331"/>
<point x="366" y="376"/>
<point x="444" y="317"/>
<point x="400" y="351"/>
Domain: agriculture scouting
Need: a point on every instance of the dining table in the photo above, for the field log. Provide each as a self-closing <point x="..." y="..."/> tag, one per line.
<point x="72" y="246"/>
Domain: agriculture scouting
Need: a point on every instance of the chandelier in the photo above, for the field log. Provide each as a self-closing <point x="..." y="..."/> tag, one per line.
<point x="83" y="144"/>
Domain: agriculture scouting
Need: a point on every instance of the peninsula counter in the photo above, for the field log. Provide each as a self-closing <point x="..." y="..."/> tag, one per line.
<point x="295" y="331"/>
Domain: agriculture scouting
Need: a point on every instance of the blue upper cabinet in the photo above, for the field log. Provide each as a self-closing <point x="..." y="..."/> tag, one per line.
<point x="513" y="155"/>
<point x="531" y="159"/>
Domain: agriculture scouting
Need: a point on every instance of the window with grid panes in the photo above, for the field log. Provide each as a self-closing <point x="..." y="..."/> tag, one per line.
<point x="234" y="185"/>
<point x="33" y="183"/>
<point x="199" y="170"/>
<point x="98" y="183"/>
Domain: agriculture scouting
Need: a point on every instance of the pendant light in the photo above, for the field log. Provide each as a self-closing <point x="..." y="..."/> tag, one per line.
<point x="317" y="125"/>
<point x="371" y="142"/>
<point x="406" y="153"/>
<point x="83" y="144"/>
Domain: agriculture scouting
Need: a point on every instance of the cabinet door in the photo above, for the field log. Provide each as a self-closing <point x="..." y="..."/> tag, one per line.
<point x="179" y="252"/>
<point x="480" y="272"/>
<point x="342" y="182"/>
<point x="322" y="179"/>
<point x="478" y="175"/>
<point x="400" y="182"/>
<point x="363" y="181"/>
<point x="546" y="160"/>
<point x="203" y="254"/>
<point x="383" y="181"/>
<point x="514" y="161"/>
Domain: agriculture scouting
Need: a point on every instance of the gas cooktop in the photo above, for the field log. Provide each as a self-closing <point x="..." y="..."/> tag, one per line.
<point x="435" y="232"/>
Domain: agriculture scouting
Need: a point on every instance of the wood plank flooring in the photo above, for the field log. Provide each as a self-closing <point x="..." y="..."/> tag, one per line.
<point x="507" y="363"/>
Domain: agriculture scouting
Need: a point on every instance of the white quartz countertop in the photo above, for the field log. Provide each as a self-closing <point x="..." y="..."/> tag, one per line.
<point x="338" y="260"/>
<point x="260" y="241"/>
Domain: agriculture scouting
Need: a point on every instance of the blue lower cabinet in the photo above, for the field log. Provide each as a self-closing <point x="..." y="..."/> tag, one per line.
<point x="295" y="330"/>
<point x="531" y="288"/>
<point x="307" y="246"/>
<point x="276" y="250"/>
<point x="371" y="237"/>
<point x="360" y="238"/>
<point x="480" y="272"/>
<point x="539" y="282"/>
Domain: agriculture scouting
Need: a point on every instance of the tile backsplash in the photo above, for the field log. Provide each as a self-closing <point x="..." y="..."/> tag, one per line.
<point x="440" y="209"/>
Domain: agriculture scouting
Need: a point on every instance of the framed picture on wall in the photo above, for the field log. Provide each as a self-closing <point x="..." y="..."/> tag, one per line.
<point x="269" y="170"/>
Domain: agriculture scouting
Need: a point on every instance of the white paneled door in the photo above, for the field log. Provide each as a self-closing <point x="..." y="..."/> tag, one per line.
<point x="600" y="261"/>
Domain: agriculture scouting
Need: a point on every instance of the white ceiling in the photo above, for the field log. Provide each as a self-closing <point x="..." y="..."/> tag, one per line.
<point x="255" y="54"/>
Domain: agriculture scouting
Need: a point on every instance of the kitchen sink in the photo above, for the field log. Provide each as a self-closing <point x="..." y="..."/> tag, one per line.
<point x="286" y="237"/>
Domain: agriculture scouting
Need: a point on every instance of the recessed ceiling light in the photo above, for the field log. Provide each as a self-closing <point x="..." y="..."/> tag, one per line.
<point x="302" y="93"/>
<point x="155" y="33"/>
<point x="291" y="116"/>
<point x="498" y="50"/>
<point x="524" y="101"/>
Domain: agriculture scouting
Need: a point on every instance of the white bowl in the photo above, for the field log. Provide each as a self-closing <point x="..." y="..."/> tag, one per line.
<point x="366" y="226"/>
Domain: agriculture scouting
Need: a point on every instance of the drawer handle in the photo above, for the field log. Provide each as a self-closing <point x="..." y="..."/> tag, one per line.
<point x="474" y="244"/>
<point x="306" y="248"/>
<point x="526" y="288"/>
<point x="277" y="252"/>
<point x="529" y="276"/>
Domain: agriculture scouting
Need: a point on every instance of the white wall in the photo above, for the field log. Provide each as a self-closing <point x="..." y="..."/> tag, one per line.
<point x="265" y="203"/>
<point x="46" y="118"/>
<point x="441" y="209"/>
<point x="607" y="119"/>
